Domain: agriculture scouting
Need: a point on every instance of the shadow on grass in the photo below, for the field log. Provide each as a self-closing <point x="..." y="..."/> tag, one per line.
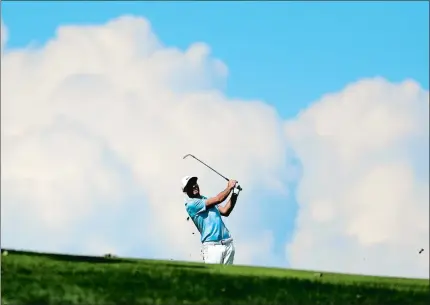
<point x="104" y="260"/>
<point x="69" y="257"/>
<point x="84" y="259"/>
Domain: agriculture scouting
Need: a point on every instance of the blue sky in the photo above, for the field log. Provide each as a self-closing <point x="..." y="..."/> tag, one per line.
<point x="286" y="53"/>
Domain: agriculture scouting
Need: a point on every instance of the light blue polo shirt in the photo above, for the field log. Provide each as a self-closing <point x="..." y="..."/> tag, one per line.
<point x="207" y="220"/>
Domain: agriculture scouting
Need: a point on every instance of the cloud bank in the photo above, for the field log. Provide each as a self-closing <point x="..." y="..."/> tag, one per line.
<point x="94" y="125"/>
<point x="364" y="193"/>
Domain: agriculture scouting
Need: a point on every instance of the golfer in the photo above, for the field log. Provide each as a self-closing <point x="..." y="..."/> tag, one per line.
<point x="217" y="243"/>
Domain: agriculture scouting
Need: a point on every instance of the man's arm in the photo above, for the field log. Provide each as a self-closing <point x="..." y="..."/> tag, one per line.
<point x="226" y="210"/>
<point x="221" y="196"/>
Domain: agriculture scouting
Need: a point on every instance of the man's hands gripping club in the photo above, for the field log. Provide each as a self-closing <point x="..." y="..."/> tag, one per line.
<point x="229" y="206"/>
<point x="223" y="195"/>
<point x="231" y="184"/>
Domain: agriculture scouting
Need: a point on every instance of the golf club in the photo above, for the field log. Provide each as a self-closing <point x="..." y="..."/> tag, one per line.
<point x="189" y="155"/>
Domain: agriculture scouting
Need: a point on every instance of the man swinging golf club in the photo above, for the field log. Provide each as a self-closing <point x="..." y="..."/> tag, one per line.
<point x="217" y="243"/>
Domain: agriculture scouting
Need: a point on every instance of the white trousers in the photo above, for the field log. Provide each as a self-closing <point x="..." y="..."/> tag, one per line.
<point x="218" y="253"/>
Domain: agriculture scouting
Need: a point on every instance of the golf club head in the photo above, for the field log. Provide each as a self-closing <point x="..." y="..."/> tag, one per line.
<point x="188" y="155"/>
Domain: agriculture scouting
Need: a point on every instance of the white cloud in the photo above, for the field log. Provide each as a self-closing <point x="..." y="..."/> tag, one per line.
<point x="4" y="35"/>
<point x="94" y="127"/>
<point x="364" y="194"/>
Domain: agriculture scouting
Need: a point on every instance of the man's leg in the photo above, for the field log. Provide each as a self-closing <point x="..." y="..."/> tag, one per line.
<point x="212" y="254"/>
<point x="229" y="254"/>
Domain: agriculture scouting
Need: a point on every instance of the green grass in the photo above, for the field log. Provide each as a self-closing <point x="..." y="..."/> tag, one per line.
<point x="37" y="278"/>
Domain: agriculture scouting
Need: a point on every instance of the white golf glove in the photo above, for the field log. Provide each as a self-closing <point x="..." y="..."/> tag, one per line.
<point x="236" y="189"/>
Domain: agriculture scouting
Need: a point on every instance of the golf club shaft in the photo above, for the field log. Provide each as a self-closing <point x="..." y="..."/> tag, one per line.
<point x="211" y="168"/>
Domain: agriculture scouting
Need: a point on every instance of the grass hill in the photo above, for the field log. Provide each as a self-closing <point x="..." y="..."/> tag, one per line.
<point x="48" y="279"/>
